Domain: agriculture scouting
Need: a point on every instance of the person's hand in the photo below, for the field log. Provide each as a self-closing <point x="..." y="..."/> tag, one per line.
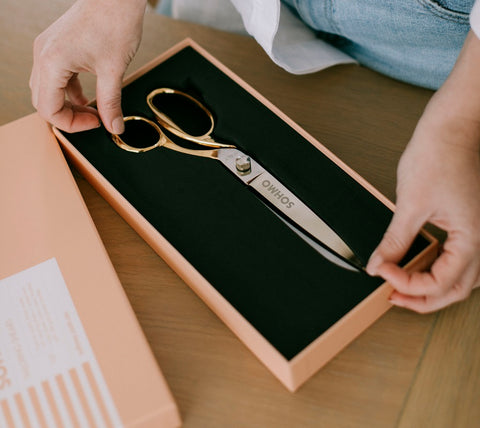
<point x="96" y="36"/>
<point x="438" y="182"/>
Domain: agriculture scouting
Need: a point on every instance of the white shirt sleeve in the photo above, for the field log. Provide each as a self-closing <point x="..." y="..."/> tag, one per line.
<point x="475" y="18"/>
<point x="286" y="39"/>
<point x="283" y="36"/>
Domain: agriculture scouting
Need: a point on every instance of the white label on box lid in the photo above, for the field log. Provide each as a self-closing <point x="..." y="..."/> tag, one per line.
<point x="49" y="376"/>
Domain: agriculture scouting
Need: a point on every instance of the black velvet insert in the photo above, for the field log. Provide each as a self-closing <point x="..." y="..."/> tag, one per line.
<point x="285" y="289"/>
<point x="140" y="134"/>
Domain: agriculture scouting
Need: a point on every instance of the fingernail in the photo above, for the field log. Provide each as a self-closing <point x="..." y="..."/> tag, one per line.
<point x="373" y="263"/>
<point x="118" y="125"/>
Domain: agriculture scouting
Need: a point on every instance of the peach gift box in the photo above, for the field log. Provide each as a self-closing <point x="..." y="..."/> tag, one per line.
<point x="293" y="309"/>
<point x="72" y="351"/>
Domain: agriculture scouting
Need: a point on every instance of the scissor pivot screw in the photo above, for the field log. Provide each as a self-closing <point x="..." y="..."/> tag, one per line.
<point x="243" y="165"/>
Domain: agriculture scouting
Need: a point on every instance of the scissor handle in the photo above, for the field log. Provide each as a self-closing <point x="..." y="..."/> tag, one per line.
<point x="123" y="145"/>
<point x="163" y="141"/>
<point x="204" y="139"/>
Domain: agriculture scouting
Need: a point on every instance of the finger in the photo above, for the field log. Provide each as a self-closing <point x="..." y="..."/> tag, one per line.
<point x="34" y="88"/>
<point x="401" y="232"/>
<point x="53" y="107"/>
<point x="75" y="92"/>
<point x="34" y="85"/>
<point x="425" y="304"/>
<point x="109" y="92"/>
<point x="33" y="82"/>
<point x="73" y="118"/>
<point x="420" y="304"/>
<point x="444" y="273"/>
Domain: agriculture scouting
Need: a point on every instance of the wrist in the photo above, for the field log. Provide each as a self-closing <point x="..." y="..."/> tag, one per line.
<point x="440" y="124"/>
<point x="457" y="102"/>
<point x="453" y="113"/>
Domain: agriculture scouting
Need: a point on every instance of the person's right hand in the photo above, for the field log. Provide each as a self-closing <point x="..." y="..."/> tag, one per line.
<point x="96" y="36"/>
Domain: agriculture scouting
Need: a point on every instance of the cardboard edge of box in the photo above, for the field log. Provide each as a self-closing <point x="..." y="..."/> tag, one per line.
<point x="291" y="373"/>
<point x="168" y="413"/>
<point x="51" y="166"/>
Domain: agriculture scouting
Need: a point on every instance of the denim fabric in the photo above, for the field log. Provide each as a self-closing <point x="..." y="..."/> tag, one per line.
<point x="416" y="41"/>
<point x="165" y="7"/>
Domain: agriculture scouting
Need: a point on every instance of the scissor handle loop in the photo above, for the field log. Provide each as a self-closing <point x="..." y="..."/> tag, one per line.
<point x="123" y="145"/>
<point x="163" y="141"/>
<point x="204" y="139"/>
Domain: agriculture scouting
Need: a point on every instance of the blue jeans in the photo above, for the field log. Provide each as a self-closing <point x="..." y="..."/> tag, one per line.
<point x="416" y="41"/>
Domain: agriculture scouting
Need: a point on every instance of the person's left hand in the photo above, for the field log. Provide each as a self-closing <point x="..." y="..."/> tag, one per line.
<point x="100" y="37"/>
<point x="438" y="181"/>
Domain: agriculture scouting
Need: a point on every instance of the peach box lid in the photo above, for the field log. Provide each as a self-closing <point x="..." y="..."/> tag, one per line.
<point x="43" y="216"/>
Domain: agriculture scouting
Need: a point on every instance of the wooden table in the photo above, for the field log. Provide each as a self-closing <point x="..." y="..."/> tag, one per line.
<point x="407" y="370"/>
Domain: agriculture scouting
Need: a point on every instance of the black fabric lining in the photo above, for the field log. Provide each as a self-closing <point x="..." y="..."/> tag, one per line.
<point x="286" y="290"/>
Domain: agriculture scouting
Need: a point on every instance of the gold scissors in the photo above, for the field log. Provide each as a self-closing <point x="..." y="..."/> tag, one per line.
<point x="289" y="208"/>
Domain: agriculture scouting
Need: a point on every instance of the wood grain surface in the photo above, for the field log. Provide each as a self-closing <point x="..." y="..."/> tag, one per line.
<point x="407" y="370"/>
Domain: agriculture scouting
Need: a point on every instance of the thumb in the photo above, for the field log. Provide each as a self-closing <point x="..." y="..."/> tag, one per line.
<point x="404" y="227"/>
<point x="109" y="94"/>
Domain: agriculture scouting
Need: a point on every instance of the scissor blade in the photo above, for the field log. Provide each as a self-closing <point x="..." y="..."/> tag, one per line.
<point x="332" y="257"/>
<point x="299" y="214"/>
<point x="292" y="208"/>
